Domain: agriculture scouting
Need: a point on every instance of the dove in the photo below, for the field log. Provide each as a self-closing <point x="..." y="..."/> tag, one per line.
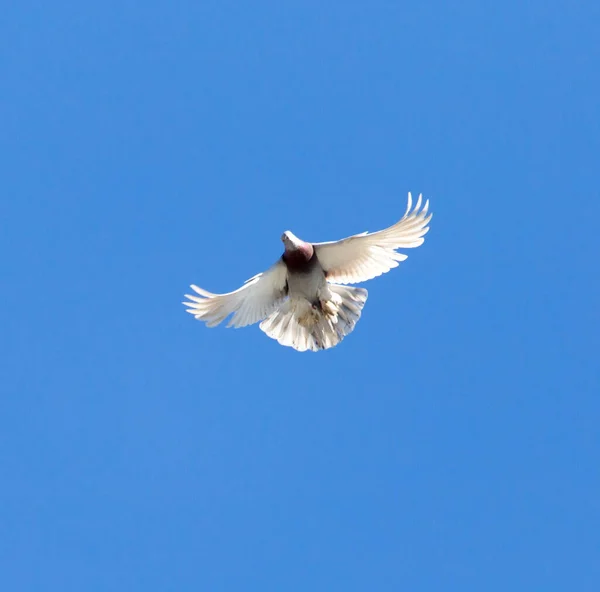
<point x="304" y="301"/>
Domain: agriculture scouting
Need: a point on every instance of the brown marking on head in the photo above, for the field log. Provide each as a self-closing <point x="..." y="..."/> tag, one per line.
<point x="297" y="253"/>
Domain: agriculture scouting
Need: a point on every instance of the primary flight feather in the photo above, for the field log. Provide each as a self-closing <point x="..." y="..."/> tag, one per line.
<point x="302" y="300"/>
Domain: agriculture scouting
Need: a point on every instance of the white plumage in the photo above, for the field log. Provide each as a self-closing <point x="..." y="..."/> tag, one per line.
<point x="299" y="299"/>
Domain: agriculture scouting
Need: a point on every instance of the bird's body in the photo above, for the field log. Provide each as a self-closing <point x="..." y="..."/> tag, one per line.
<point x="301" y="300"/>
<point x="305" y="275"/>
<point x="308" y="282"/>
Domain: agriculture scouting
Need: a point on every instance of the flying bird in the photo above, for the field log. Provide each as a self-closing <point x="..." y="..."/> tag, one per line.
<point x="303" y="301"/>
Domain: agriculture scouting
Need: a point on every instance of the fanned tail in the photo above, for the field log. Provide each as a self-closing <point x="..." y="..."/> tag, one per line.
<point x="299" y="325"/>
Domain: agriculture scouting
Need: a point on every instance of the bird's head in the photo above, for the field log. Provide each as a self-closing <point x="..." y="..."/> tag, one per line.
<point x="291" y="241"/>
<point x="296" y="250"/>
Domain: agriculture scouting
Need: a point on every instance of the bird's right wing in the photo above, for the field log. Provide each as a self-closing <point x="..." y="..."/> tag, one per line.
<point x="253" y="302"/>
<point x="364" y="256"/>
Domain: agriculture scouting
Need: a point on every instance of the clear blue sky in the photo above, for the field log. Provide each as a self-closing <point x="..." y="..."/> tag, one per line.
<point x="450" y="443"/>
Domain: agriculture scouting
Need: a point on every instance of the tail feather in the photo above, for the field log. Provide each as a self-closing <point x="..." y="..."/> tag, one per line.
<point x="297" y="324"/>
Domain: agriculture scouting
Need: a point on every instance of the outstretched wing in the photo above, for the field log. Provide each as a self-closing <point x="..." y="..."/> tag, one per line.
<point x="364" y="256"/>
<point x="253" y="302"/>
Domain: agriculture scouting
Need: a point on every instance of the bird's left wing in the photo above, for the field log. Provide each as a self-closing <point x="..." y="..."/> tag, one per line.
<point x="253" y="302"/>
<point x="364" y="256"/>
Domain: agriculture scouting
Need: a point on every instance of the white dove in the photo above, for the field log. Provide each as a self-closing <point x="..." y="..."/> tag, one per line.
<point x="299" y="299"/>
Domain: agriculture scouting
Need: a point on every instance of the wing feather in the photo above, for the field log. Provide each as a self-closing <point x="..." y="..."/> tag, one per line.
<point x="253" y="302"/>
<point x="364" y="256"/>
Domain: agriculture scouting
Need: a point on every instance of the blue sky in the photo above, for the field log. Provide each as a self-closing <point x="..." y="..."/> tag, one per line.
<point x="450" y="443"/>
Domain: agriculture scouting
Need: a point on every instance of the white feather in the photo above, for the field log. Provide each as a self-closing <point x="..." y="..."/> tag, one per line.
<point x="364" y="256"/>
<point x="296" y="324"/>
<point x="253" y="302"/>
